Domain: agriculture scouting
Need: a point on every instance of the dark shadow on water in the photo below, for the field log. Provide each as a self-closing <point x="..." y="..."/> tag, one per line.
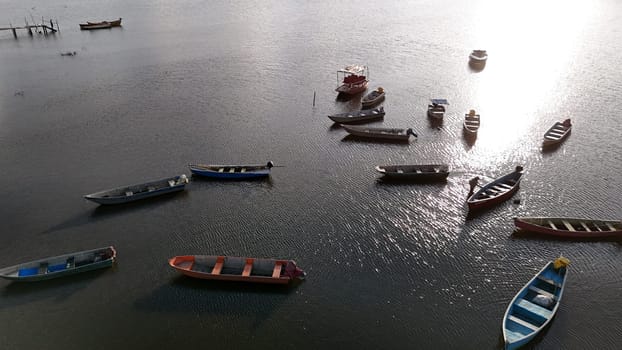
<point x="184" y="294"/>
<point x="477" y="213"/>
<point x="203" y="181"/>
<point x="524" y="234"/>
<point x="103" y="211"/>
<point x="548" y="150"/>
<point x="435" y="123"/>
<point x="59" y="289"/>
<point x="353" y="138"/>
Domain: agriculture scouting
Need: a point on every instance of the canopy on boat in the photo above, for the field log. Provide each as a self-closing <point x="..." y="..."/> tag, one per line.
<point x="439" y="101"/>
<point x="353" y="69"/>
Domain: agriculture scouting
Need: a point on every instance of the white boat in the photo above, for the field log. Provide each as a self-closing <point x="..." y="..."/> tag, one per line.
<point x="373" y="98"/>
<point x="419" y="172"/>
<point x="352" y="79"/>
<point x="557" y="133"/>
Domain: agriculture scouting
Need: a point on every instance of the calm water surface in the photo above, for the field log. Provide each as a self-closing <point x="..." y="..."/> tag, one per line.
<point x="389" y="265"/>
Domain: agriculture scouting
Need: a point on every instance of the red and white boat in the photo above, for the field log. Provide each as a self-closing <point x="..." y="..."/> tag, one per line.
<point x="353" y="79"/>
<point x="571" y="227"/>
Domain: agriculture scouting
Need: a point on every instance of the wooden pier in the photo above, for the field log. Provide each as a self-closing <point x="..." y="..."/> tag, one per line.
<point x="38" y="28"/>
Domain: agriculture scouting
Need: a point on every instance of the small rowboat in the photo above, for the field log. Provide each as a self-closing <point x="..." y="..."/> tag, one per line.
<point x="570" y="227"/>
<point x="471" y="123"/>
<point x="425" y="172"/>
<point x="230" y="268"/>
<point x="62" y="265"/>
<point x="436" y="110"/>
<point x="557" y="133"/>
<point x="478" y="58"/>
<point x="364" y="115"/>
<point x="373" y="98"/>
<point x="126" y="194"/>
<point x="232" y="171"/>
<point x="496" y="191"/>
<point x="380" y="133"/>
<point x="535" y="305"/>
<point x="100" y="25"/>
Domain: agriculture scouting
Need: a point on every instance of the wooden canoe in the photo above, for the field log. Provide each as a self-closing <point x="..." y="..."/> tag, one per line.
<point x="570" y="227"/>
<point x="92" y="26"/>
<point x="373" y="98"/>
<point x="423" y="172"/>
<point x="535" y="305"/>
<point x="391" y="134"/>
<point x="557" y="133"/>
<point x="364" y="115"/>
<point x="232" y="171"/>
<point x="471" y="123"/>
<point x="62" y="265"/>
<point x="126" y="194"/>
<point x="496" y="191"/>
<point x="231" y="268"/>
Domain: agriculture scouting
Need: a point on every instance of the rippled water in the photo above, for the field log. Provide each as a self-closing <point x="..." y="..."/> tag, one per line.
<point x="388" y="265"/>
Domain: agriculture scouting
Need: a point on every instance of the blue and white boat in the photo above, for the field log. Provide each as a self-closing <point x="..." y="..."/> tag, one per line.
<point x="534" y="306"/>
<point x="232" y="171"/>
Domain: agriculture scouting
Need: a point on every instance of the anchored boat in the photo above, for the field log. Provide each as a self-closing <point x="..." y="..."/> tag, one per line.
<point x="352" y="79"/>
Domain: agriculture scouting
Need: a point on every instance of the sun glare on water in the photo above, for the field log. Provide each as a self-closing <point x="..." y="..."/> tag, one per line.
<point x="531" y="47"/>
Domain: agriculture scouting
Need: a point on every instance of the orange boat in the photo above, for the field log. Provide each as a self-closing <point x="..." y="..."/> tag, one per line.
<point x="231" y="268"/>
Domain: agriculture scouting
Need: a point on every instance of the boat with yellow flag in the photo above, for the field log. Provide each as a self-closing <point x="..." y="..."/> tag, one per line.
<point x="535" y="305"/>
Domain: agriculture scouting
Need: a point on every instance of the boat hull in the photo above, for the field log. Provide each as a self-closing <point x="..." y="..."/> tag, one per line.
<point x="234" y="172"/>
<point x="556" y="134"/>
<point x="570" y="227"/>
<point x="240" y="269"/>
<point x="127" y="194"/>
<point x="60" y="266"/>
<point x="361" y="116"/>
<point x="387" y="134"/>
<point x="495" y="192"/>
<point x="428" y="172"/>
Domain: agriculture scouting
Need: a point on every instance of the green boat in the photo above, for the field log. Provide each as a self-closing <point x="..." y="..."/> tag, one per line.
<point x="62" y="265"/>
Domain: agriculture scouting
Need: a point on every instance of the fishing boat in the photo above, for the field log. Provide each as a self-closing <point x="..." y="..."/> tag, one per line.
<point x="570" y="227"/>
<point x="423" y="172"/>
<point x="496" y="191"/>
<point x="557" y="133"/>
<point x="92" y="26"/>
<point x="436" y="109"/>
<point x="391" y="134"/>
<point x="126" y="194"/>
<point x="478" y="58"/>
<point x="373" y="98"/>
<point x="100" y="25"/>
<point x="230" y="268"/>
<point x="535" y="305"/>
<point x="62" y="265"/>
<point x="352" y="79"/>
<point x="361" y="116"/>
<point x="232" y="171"/>
<point x="471" y="123"/>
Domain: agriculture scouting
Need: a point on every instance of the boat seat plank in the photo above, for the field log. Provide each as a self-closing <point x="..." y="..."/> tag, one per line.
<point x="541" y="291"/>
<point x="585" y="227"/>
<point x="276" y="273"/>
<point x="597" y="227"/>
<point x="218" y="267"/>
<point x="523" y="323"/>
<point x="247" y="268"/>
<point x="552" y="225"/>
<point x="549" y="281"/>
<point x="610" y="226"/>
<point x="504" y="185"/>
<point x="221" y="170"/>
<point x="568" y="225"/>
<point x="534" y="308"/>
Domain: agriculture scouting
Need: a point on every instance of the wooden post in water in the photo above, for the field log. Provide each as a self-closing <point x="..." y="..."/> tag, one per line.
<point x="313" y="98"/>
